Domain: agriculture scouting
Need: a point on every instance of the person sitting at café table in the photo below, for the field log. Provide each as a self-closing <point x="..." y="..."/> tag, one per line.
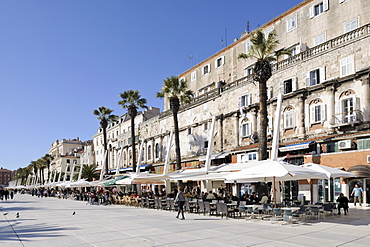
<point x="253" y="197"/>
<point x="210" y="196"/>
<point x="343" y="203"/>
<point x="264" y="199"/>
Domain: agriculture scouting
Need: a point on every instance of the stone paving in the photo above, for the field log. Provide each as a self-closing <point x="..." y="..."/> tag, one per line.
<point x="50" y="222"/>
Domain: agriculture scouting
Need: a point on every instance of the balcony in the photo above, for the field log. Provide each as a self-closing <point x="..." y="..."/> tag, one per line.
<point x="347" y="118"/>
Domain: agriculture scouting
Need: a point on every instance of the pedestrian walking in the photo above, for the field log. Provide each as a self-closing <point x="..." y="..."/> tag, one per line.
<point x="357" y="191"/>
<point x="180" y="200"/>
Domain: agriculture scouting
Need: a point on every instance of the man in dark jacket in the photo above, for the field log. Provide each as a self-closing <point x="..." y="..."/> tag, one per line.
<point x="343" y="203"/>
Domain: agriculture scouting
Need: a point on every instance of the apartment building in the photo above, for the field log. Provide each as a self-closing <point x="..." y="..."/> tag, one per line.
<point x="326" y="98"/>
<point x="5" y="176"/>
<point x="119" y="140"/>
<point x="66" y="158"/>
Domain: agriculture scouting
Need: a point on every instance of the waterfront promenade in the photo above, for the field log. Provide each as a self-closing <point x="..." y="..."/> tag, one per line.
<point x="50" y="222"/>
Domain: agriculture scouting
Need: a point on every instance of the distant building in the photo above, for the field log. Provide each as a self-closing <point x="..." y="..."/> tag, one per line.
<point x="5" y="176"/>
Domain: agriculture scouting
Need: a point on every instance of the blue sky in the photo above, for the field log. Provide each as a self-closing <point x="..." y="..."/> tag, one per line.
<point x="60" y="60"/>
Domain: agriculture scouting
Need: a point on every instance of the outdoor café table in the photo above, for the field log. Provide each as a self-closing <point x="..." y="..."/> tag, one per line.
<point x="293" y="209"/>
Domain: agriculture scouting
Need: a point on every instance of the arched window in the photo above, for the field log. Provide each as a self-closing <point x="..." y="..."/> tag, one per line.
<point x="157" y="151"/>
<point x="289" y="117"/>
<point x="149" y="152"/>
<point x="317" y="111"/>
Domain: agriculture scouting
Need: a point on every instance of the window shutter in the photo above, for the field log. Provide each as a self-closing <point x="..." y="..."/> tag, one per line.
<point x="338" y="111"/>
<point x="209" y="68"/>
<point x="312" y="114"/>
<point x="311" y="12"/>
<point x="293" y="118"/>
<point x="223" y="60"/>
<point x="322" y="74"/>
<point x="326" y="5"/>
<point x="282" y="87"/>
<point x="323" y="113"/>
<point x="298" y="48"/>
<point x="269" y="92"/>
<point x="294" y="84"/>
<point x="357" y="108"/>
<point x="249" y="125"/>
<point x="307" y="79"/>
<point x="285" y="120"/>
<point x="240" y="102"/>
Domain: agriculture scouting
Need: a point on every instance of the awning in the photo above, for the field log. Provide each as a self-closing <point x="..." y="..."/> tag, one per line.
<point x="295" y="147"/>
<point x="214" y="156"/>
<point x="129" y="168"/>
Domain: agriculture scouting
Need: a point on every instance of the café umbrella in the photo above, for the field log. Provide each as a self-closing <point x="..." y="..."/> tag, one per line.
<point x="272" y="171"/>
<point x="114" y="181"/>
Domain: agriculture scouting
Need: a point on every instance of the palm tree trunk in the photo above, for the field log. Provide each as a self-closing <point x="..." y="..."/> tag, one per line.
<point x="133" y="143"/>
<point x="262" y="153"/>
<point x="105" y="150"/>
<point x="177" y="141"/>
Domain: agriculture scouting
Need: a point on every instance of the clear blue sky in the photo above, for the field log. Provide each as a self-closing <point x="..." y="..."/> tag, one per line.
<point x="60" y="60"/>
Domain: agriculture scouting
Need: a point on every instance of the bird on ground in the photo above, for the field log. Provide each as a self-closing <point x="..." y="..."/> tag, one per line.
<point x="5" y="213"/>
<point x="17" y="215"/>
<point x="73" y="213"/>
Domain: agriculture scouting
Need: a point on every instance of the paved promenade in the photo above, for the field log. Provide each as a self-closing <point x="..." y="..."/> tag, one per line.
<point x="50" y="222"/>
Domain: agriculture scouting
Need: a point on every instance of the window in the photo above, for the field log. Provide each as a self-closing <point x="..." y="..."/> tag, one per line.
<point x="248" y="71"/>
<point x="246" y="129"/>
<point x="248" y="46"/>
<point x="315" y="77"/>
<point x="350" y="25"/>
<point x="288" y="86"/>
<point x="268" y="32"/>
<point x="206" y="69"/>
<point x="182" y="79"/>
<point x="346" y="66"/>
<point x="252" y="156"/>
<point x="193" y="76"/>
<point x="205" y="144"/>
<point x="205" y="126"/>
<point x="149" y="152"/>
<point x="156" y="150"/>
<point x="363" y="143"/>
<point x="289" y="119"/>
<point x="291" y="23"/>
<point x="347" y="109"/>
<point x="245" y="100"/>
<point x="320" y="39"/>
<point x="219" y="62"/>
<point x="317" y="113"/>
<point x="318" y="9"/>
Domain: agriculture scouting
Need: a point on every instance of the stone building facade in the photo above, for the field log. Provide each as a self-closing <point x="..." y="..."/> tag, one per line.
<point x="326" y="97"/>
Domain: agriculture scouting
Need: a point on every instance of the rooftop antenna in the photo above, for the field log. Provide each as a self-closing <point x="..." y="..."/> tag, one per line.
<point x="191" y="61"/>
<point x="247" y="29"/>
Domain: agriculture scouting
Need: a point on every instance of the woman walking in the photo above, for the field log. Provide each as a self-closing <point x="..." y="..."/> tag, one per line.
<point x="180" y="200"/>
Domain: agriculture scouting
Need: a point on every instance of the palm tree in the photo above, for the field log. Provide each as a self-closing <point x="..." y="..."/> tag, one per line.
<point x="47" y="159"/>
<point x="177" y="92"/>
<point x="131" y="100"/>
<point x="89" y="172"/>
<point x="105" y="117"/>
<point x="263" y="49"/>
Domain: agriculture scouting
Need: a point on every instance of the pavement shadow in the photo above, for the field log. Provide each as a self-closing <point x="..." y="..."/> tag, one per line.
<point x="28" y="233"/>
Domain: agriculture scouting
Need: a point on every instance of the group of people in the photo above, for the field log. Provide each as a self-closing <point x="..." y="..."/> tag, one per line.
<point x="6" y="194"/>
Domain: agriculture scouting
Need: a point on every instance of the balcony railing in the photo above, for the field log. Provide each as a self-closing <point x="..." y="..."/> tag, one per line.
<point x="358" y="33"/>
<point x="333" y="43"/>
<point x="347" y="118"/>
